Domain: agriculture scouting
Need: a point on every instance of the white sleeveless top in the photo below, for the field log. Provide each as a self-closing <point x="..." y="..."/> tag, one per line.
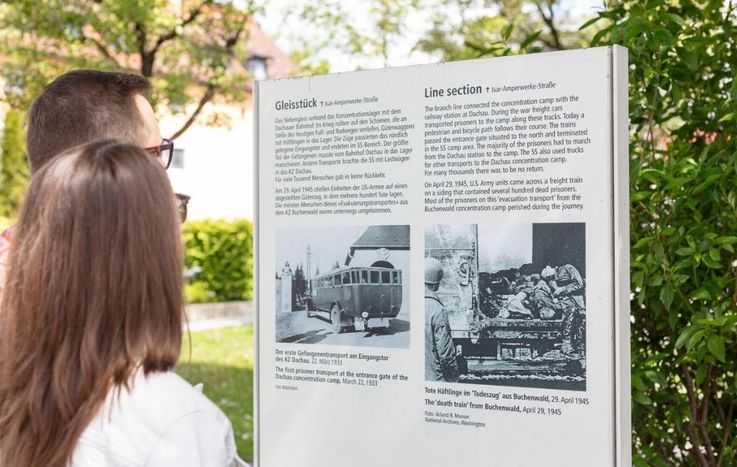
<point x="163" y="421"/>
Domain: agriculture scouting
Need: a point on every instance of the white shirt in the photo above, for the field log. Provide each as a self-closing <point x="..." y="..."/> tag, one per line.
<point x="163" y="421"/>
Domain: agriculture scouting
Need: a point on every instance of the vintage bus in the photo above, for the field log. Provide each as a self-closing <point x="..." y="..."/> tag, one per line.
<point x="357" y="297"/>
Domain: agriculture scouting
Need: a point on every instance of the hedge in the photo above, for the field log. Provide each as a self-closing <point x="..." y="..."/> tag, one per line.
<point x="224" y="252"/>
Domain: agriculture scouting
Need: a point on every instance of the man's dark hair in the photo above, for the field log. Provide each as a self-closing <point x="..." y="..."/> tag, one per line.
<point x="81" y="106"/>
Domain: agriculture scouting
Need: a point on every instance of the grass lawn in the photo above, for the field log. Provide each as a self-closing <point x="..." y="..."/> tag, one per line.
<point x="222" y="359"/>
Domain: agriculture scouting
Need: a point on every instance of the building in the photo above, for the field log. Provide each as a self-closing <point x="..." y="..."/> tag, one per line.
<point x="384" y="246"/>
<point x="214" y="164"/>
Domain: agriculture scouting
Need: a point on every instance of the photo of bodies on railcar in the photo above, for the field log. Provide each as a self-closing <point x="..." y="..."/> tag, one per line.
<point x="506" y="305"/>
<point x="343" y="285"/>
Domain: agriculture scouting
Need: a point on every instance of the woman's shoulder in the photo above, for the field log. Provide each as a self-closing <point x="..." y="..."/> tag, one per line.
<point x="160" y="399"/>
<point x="158" y="414"/>
<point x="168" y="392"/>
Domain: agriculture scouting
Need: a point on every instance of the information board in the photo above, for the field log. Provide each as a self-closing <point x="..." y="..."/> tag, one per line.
<point x="442" y="264"/>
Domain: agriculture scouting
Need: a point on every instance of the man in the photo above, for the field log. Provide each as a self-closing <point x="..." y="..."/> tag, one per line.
<point x="82" y="106"/>
<point x="440" y="354"/>
<point x="568" y="287"/>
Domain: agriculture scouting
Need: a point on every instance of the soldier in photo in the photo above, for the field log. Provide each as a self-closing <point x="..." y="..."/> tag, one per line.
<point x="440" y="354"/>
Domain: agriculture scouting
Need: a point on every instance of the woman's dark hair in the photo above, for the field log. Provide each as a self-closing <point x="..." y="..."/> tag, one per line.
<point x="94" y="292"/>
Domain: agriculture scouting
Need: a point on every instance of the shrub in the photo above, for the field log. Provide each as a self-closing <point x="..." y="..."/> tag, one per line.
<point x="683" y="176"/>
<point x="197" y="292"/>
<point x="14" y="171"/>
<point x="224" y="252"/>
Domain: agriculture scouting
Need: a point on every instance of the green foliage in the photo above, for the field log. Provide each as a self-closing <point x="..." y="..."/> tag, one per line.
<point x="222" y="359"/>
<point x="683" y="174"/>
<point x="516" y="26"/>
<point x="197" y="292"/>
<point x="224" y="251"/>
<point x="389" y="24"/>
<point x="307" y="64"/>
<point x="384" y="24"/>
<point x="187" y="49"/>
<point x="452" y="29"/>
<point x="14" y="171"/>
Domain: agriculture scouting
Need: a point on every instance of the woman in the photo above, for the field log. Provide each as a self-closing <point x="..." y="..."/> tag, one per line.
<point x="92" y="323"/>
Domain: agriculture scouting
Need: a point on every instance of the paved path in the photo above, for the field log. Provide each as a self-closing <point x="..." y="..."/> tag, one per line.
<point x="207" y="316"/>
<point x="217" y="323"/>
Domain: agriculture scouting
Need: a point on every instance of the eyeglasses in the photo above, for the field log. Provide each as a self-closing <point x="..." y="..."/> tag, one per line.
<point x="182" y="201"/>
<point x="164" y="151"/>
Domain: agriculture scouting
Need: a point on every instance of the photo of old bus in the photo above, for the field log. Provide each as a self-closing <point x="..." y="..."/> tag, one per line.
<point x="356" y="298"/>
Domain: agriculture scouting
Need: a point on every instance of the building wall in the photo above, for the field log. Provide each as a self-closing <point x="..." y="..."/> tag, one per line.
<point x="218" y="172"/>
<point x="218" y="164"/>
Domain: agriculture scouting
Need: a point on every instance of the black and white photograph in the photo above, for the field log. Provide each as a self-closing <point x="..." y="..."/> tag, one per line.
<point x="506" y="304"/>
<point x="343" y="285"/>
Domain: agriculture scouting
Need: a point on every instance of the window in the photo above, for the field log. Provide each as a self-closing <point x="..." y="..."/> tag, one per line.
<point x="374" y="277"/>
<point x="257" y="66"/>
<point x="346" y="278"/>
<point x="396" y="278"/>
<point x="364" y="277"/>
<point x="354" y="277"/>
<point x="386" y="277"/>
<point x="177" y="160"/>
<point x="336" y="278"/>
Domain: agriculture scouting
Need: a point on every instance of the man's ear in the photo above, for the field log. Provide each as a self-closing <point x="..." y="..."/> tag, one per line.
<point x="151" y="134"/>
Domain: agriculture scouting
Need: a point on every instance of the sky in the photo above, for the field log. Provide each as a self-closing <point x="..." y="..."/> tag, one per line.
<point x="328" y="244"/>
<point x="290" y="32"/>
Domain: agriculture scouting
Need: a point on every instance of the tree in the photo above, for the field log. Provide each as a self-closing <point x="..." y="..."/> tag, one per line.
<point x="333" y="22"/>
<point x="459" y="29"/>
<point x="515" y="26"/>
<point x="683" y="175"/>
<point x="192" y="51"/>
<point x="14" y="171"/>
<point x="300" y="282"/>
